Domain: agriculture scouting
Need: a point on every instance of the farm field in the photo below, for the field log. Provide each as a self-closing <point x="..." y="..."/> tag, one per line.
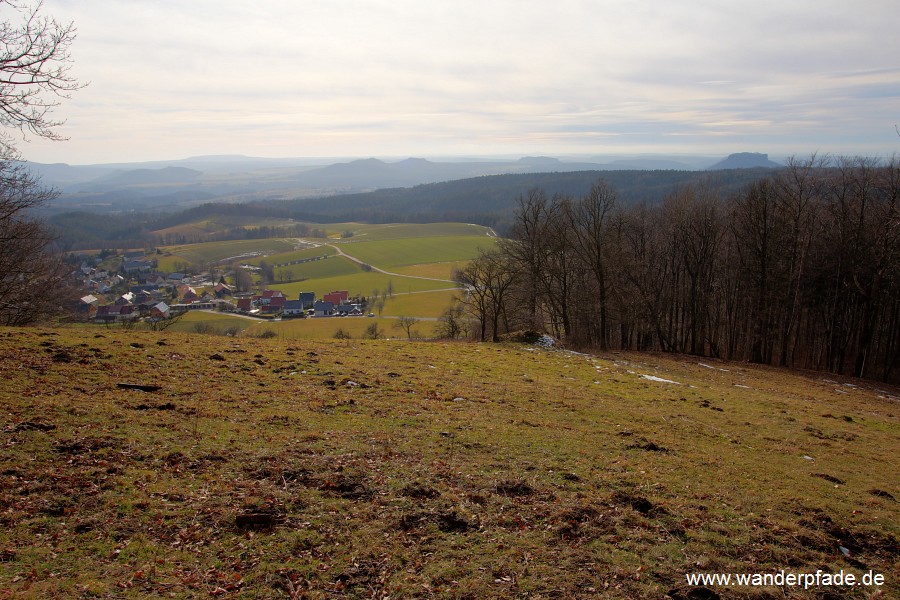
<point x="425" y="304"/>
<point x="205" y="253"/>
<point x="363" y="283"/>
<point x="277" y="468"/>
<point x="393" y="231"/>
<point x="294" y="255"/>
<point x="333" y="266"/>
<point x="438" y="270"/>
<point x="387" y="254"/>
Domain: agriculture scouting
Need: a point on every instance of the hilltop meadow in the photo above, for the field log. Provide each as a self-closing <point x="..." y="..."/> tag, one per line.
<point x="161" y="464"/>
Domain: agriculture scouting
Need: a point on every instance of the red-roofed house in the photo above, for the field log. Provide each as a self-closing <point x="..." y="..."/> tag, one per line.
<point x="337" y="298"/>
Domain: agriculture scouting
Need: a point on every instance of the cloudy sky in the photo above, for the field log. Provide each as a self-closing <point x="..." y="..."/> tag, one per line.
<point x="341" y="78"/>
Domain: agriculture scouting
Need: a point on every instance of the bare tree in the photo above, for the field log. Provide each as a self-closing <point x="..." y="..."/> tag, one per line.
<point x="33" y="276"/>
<point x="489" y="280"/>
<point x="34" y="75"/>
<point x="451" y="322"/>
<point x="406" y="324"/>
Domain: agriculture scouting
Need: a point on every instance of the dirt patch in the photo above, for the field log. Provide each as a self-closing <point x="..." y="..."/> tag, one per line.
<point x="418" y="490"/>
<point x="515" y="488"/>
<point x="350" y="487"/>
<point x="693" y="593"/>
<point x="638" y="503"/>
<point x="82" y="445"/>
<point x="882" y="494"/>
<point x="583" y="522"/>
<point x="257" y="519"/>
<point x="446" y="521"/>
<point x="829" y="478"/>
<point x="647" y="446"/>
<point x="34" y="426"/>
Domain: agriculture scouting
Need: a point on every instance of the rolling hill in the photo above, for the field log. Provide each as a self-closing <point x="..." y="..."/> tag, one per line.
<point x="161" y="464"/>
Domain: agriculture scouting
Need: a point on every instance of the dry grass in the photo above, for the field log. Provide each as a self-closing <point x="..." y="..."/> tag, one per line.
<point x="332" y="469"/>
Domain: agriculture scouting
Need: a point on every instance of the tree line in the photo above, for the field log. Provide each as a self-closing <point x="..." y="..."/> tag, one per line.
<point x="800" y="268"/>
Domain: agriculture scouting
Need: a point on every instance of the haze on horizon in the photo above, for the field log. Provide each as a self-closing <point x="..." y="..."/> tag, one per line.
<point x="171" y="79"/>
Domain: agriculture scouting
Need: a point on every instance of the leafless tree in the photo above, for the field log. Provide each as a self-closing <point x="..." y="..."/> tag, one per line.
<point x="35" y="62"/>
<point x="489" y="281"/>
<point x="34" y="278"/>
<point x="406" y="324"/>
<point x="34" y="76"/>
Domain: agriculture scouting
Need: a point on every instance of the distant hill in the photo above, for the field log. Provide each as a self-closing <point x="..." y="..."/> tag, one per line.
<point x="745" y="160"/>
<point x="171" y="186"/>
<point x="166" y="175"/>
<point x="491" y="200"/>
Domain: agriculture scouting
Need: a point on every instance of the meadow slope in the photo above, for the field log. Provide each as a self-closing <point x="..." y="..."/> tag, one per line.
<point x="258" y="468"/>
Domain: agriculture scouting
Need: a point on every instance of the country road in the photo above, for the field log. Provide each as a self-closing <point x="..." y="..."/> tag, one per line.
<point x="340" y="252"/>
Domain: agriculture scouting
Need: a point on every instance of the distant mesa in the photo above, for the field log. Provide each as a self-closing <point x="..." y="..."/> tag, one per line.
<point x="539" y="160"/>
<point x="745" y="160"/>
<point x="154" y="176"/>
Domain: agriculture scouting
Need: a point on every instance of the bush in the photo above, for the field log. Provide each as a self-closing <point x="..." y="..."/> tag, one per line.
<point x="204" y="327"/>
<point x="340" y="334"/>
<point x="372" y="332"/>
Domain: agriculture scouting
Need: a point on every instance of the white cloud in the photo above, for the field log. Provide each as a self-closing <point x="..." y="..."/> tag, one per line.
<point x="341" y="77"/>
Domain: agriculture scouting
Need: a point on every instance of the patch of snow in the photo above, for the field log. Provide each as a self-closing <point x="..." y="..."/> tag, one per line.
<point x="658" y="379"/>
<point x="545" y="341"/>
<point x="746" y="387"/>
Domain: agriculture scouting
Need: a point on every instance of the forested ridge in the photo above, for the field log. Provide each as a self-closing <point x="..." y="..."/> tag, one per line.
<point x="800" y="268"/>
<point x="487" y="200"/>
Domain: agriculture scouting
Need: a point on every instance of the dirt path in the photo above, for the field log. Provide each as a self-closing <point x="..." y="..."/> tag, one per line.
<point x="340" y="252"/>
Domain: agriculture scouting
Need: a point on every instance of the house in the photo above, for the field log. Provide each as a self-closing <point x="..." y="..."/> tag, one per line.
<point x="87" y="306"/>
<point x="271" y="301"/>
<point x="189" y="294"/>
<point x="136" y="266"/>
<point x="294" y="308"/>
<point x="116" y="312"/>
<point x="151" y="278"/>
<point x="308" y="299"/>
<point x="177" y="278"/>
<point x="337" y="298"/>
<point x="276" y="304"/>
<point x="348" y="309"/>
<point x="323" y="308"/>
<point x="125" y="299"/>
<point x="160" y="311"/>
<point x="221" y="290"/>
<point x="245" y="305"/>
<point x="142" y="297"/>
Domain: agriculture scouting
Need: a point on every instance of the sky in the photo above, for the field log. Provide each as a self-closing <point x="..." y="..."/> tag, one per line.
<point x="171" y="79"/>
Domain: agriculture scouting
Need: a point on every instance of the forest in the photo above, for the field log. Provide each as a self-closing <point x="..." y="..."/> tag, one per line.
<point x="800" y="268"/>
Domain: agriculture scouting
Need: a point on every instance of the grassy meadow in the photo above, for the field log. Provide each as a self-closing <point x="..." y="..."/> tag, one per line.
<point x="402" y="252"/>
<point x="283" y="468"/>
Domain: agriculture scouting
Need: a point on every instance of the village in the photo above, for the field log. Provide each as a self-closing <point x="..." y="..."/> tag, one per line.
<point x="136" y="291"/>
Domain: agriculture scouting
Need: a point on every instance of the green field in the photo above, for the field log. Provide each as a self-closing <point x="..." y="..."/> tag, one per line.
<point x="287" y="468"/>
<point x="426" y="304"/>
<point x="334" y="266"/>
<point x="386" y="254"/>
<point x="438" y="270"/>
<point x="392" y="231"/>
<point x="209" y="252"/>
<point x="361" y="283"/>
<point x="294" y="255"/>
